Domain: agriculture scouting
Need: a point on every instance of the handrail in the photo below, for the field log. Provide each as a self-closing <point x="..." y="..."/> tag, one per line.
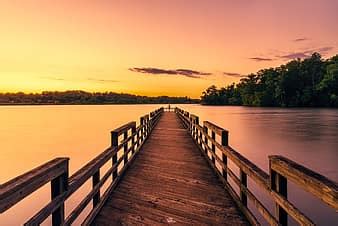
<point x="20" y="187"/>
<point x="274" y="184"/>
<point x="63" y="186"/>
<point x="313" y="182"/>
<point x="124" y="128"/>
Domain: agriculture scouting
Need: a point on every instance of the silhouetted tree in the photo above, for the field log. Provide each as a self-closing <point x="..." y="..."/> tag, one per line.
<point x="304" y="83"/>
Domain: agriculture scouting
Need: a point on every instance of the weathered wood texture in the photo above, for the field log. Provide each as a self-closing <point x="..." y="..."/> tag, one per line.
<point x="169" y="182"/>
<point x="275" y="184"/>
<point x="62" y="186"/>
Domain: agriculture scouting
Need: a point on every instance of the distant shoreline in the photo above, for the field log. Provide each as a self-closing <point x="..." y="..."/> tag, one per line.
<point x="79" y="97"/>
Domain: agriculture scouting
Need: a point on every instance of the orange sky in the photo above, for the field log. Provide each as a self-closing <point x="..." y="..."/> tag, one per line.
<point x="92" y="45"/>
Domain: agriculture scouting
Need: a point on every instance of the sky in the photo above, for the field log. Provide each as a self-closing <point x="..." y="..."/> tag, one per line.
<point x="155" y="47"/>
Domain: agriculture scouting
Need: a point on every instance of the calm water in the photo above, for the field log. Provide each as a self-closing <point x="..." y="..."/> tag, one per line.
<point x="32" y="135"/>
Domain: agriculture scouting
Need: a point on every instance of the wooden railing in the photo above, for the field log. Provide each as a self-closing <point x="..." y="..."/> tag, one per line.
<point x="127" y="139"/>
<point x="169" y="109"/>
<point x="274" y="184"/>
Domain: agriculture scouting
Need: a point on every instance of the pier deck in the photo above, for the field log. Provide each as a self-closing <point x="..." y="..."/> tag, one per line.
<point x="170" y="182"/>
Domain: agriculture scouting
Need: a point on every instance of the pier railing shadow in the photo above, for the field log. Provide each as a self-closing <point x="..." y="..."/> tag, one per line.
<point x="274" y="184"/>
<point x="126" y="142"/>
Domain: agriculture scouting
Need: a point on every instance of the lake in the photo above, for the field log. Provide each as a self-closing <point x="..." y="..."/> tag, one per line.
<point x="32" y="135"/>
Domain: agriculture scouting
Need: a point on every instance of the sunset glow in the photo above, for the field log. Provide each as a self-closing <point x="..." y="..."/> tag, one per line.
<point x="141" y="46"/>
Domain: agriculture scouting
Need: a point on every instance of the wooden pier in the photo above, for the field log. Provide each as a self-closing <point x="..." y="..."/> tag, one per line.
<point x="169" y="169"/>
<point x="170" y="182"/>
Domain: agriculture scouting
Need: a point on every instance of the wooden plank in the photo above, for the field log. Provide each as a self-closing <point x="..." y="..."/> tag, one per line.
<point x="218" y="130"/>
<point x="20" y="187"/>
<point x="76" y="212"/>
<point x="248" y="167"/>
<point x="251" y="169"/>
<point x="92" y="215"/>
<point x="120" y="130"/>
<point x="300" y="217"/>
<point x="44" y="213"/>
<point x="56" y="172"/>
<point x="83" y="174"/>
<point x="59" y="186"/>
<point x="248" y="214"/>
<point x="313" y="182"/>
<point x="260" y="207"/>
<point x="170" y="180"/>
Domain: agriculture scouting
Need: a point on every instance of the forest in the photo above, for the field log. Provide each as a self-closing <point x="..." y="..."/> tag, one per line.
<point x="82" y="97"/>
<point x="311" y="82"/>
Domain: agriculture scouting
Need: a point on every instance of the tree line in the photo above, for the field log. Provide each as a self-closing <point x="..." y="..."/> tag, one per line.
<point x="82" y="97"/>
<point x="311" y="82"/>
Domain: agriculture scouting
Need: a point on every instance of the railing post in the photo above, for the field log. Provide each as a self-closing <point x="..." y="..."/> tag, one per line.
<point x="133" y="134"/>
<point x="146" y="128"/>
<point x="225" y="142"/>
<point x="197" y="121"/>
<point x="151" y="122"/>
<point x="205" y="140"/>
<point x="191" y="126"/>
<point x="141" y="127"/>
<point x="244" y="182"/>
<point x="200" y="139"/>
<point x="213" y="148"/>
<point x="149" y="125"/>
<point x="195" y="133"/>
<point x="59" y="185"/>
<point x="114" y="144"/>
<point x="96" y="180"/>
<point x="125" y="147"/>
<point x="278" y="184"/>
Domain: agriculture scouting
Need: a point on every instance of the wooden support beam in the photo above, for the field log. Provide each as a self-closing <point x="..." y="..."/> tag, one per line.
<point x="133" y="134"/>
<point x="279" y="185"/>
<point x="114" y="144"/>
<point x="59" y="186"/>
<point x="224" y="139"/>
<point x="244" y="183"/>
<point x="95" y="181"/>
<point x="213" y="148"/>
<point x="206" y="140"/>
<point x="125" y="147"/>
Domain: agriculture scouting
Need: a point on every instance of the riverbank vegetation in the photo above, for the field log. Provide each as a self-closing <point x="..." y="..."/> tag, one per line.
<point x="82" y="97"/>
<point x="312" y="82"/>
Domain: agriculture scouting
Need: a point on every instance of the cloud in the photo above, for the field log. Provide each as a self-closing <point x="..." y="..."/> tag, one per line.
<point x="157" y="71"/>
<point x="306" y="53"/>
<point x="101" y="80"/>
<point x="324" y="50"/>
<point x="260" y="59"/>
<point x="296" y="55"/>
<point x="234" y="74"/>
<point x="300" y="39"/>
<point x="89" y="79"/>
<point x="53" y="78"/>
